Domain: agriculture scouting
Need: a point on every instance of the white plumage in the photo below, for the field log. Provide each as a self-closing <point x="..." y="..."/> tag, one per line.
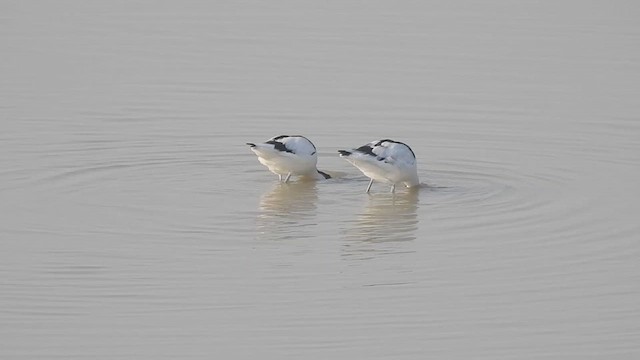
<point x="289" y="155"/>
<point x="387" y="161"/>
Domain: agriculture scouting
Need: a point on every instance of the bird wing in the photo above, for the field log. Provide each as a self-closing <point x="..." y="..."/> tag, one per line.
<point x="389" y="151"/>
<point x="296" y="144"/>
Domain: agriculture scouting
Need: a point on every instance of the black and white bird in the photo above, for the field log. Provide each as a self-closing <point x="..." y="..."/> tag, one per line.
<point x="387" y="161"/>
<point x="286" y="155"/>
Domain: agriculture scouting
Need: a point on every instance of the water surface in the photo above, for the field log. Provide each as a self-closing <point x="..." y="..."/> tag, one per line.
<point x="137" y="225"/>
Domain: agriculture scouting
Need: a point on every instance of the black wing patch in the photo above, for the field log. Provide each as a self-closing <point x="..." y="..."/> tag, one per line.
<point x="279" y="146"/>
<point x="396" y="142"/>
<point x="366" y="149"/>
<point x="282" y="147"/>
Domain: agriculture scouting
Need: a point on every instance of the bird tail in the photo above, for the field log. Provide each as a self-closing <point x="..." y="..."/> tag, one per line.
<point x="267" y="151"/>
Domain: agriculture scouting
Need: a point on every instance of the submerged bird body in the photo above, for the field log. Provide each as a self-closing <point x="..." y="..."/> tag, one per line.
<point x="289" y="155"/>
<point x="387" y="161"/>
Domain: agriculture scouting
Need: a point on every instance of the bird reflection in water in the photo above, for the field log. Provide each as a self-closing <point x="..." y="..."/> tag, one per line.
<point x="288" y="210"/>
<point x="387" y="222"/>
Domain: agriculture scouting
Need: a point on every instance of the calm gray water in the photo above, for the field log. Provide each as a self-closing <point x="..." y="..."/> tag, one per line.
<point x="137" y="225"/>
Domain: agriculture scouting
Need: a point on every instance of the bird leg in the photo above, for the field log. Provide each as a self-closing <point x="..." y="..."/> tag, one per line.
<point x="369" y="187"/>
<point x="287" y="178"/>
<point x="393" y="188"/>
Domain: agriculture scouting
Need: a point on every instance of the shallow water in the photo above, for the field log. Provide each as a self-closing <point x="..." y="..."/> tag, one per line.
<point x="137" y="224"/>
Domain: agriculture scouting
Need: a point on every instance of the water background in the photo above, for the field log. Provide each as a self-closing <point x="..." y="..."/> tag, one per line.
<point x="135" y="223"/>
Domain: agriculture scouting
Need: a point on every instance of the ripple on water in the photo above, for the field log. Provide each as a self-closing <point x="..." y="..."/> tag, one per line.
<point x="459" y="199"/>
<point x="137" y="190"/>
<point x="490" y="203"/>
<point x="537" y="219"/>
